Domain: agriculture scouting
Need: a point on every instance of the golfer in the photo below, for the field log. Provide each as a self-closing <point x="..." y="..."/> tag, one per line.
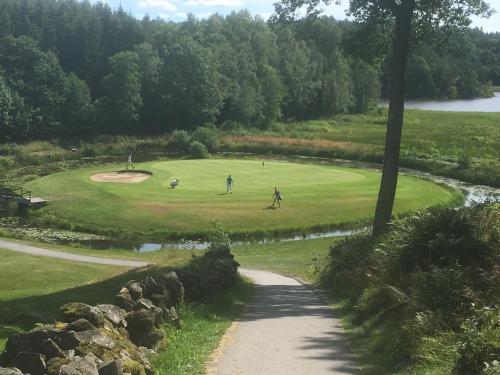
<point x="174" y="183"/>
<point x="229" y="184"/>
<point x="277" y="197"/>
<point x="129" y="161"/>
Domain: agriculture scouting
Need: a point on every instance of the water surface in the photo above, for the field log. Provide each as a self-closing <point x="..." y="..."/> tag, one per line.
<point x="454" y="105"/>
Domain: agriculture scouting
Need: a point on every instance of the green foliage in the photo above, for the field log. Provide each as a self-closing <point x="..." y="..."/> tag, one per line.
<point x="179" y="142"/>
<point x="479" y="345"/>
<point x="123" y="99"/>
<point x="428" y="280"/>
<point x="197" y="150"/>
<point x="219" y="239"/>
<point x="208" y="136"/>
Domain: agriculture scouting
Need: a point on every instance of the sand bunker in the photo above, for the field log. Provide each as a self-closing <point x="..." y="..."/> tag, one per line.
<point x="122" y="177"/>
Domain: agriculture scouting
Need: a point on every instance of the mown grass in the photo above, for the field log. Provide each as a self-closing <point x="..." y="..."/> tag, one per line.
<point x="313" y="195"/>
<point x="293" y="258"/>
<point x="32" y="288"/>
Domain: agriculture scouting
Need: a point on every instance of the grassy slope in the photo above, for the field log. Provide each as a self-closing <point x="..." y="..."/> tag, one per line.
<point x="33" y="287"/>
<point x="294" y="258"/>
<point x="312" y="195"/>
<point x="425" y="133"/>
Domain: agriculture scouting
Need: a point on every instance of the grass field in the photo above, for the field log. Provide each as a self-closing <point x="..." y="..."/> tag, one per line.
<point x="313" y="195"/>
<point x="293" y="258"/>
<point x="32" y="288"/>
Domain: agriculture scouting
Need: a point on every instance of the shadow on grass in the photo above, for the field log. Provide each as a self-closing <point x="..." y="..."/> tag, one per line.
<point x="23" y="313"/>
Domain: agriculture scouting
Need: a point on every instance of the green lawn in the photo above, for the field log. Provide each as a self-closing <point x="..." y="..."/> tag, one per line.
<point x="313" y="195"/>
<point x="32" y="288"/>
<point x="294" y="258"/>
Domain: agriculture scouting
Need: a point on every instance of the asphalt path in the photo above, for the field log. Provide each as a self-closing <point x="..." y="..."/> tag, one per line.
<point x="37" y="251"/>
<point x="286" y="329"/>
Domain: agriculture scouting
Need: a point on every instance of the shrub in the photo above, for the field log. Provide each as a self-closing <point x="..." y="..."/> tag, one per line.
<point x="208" y="136"/>
<point x="179" y="142"/>
<point x="198" y="150"/>
<point x="88" y="151"/>
<point x="479" y="346"/>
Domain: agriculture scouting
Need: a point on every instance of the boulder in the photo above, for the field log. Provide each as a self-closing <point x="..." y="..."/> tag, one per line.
<point x="142" y="320"/>
<point x="51" y="350"/>
<point x="173" y="318"/>
<point x="30" y="363"/>
<point x="135" y="289"/>
<point x="124" y="300"/>
<point x="162" y="300"/>
<point x="175" y="287"/>
<point x="10" y="371"/>
<point x="114" y="314"/>
<point x="95" y="338"/>
<point x="36" y="340"/>
<point x="75" y="310"/>
<point x="80" y="325"/>
<point x="114" y="367"/>
<point x="79" y="366"/>
<point x="146" y="303"/>
<point x="151" y="339"/>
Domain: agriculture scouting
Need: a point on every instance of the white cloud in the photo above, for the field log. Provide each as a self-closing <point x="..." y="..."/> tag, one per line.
<point x="215" y="3"/>
<point x="176" y="16"/>
<point x="157" y="4"/>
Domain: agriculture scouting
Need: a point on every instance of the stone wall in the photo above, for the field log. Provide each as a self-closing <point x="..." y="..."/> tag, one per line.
<point x="117" y="339"/>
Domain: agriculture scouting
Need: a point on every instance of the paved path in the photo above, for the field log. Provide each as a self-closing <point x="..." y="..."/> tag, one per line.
<point x="27" y="249"/>
<point x="286" y="330"/>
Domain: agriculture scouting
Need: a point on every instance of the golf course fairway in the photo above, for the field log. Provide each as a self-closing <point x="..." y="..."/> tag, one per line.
<point x="312" y="195"/>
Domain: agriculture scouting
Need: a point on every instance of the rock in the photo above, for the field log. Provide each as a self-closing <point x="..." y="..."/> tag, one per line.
<point x="36" y="340"/>
<point x="146" y="303"/>
<point x="66" y="340"/>
<point x="124" y="300"/>
<point x="111" y="368"/>
<point x="173" y="318"/>
<point x="135" y="289"/>
<point x="80" y="325"/>
<point x="79" y="366"/>
<point x="51" y="350"/>
<point x="10" y="371"/>
<point x="30" y="363"/>
<point x="175" y="287"/>
<point x="141" y="320"/>
<point x="122" y="331"/>
<point x="149" y="339"/>
<point x="95" y="338"/>
<point x="54" y="365"/>
<point x="114" y="314"/>
<point x="75" y="310"/>
<point x="162" y="300"/>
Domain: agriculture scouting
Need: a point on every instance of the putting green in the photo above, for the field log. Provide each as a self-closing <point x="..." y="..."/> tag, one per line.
<point x="313" y="195"/>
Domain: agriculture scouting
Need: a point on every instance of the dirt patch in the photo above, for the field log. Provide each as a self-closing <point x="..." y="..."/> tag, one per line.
<point x="121" y="177"/>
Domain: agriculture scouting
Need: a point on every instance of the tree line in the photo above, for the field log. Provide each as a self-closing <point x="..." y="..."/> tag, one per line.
<point x="70" y="68"/>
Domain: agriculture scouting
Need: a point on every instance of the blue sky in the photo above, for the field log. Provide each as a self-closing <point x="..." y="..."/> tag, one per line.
<point x="177" y="10"/>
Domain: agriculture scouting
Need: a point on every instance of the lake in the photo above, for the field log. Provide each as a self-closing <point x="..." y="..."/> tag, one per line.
<point x="454" y="105"/>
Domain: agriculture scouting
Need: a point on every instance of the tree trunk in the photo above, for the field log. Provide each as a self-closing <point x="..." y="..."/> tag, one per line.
<point x="388" y="184"/>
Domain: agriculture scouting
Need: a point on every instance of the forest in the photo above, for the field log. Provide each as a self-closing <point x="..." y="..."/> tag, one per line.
<point x="70" y="68"/>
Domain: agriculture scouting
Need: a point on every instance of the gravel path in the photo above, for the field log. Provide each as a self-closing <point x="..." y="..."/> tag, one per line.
<point x="32" y="250"/>
<point x="285" y="330"/>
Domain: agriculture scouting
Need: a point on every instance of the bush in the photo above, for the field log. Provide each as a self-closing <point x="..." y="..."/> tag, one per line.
<point x="197" y="150"/>
<point x="208" y="136"/>
<point x="179" y="142"/>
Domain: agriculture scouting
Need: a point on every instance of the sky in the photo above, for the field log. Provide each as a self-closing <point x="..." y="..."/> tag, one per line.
<point x="177" y="10"/>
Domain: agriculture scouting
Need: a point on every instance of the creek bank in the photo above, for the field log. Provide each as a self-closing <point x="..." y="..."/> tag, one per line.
<point x="119" y="338"/>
